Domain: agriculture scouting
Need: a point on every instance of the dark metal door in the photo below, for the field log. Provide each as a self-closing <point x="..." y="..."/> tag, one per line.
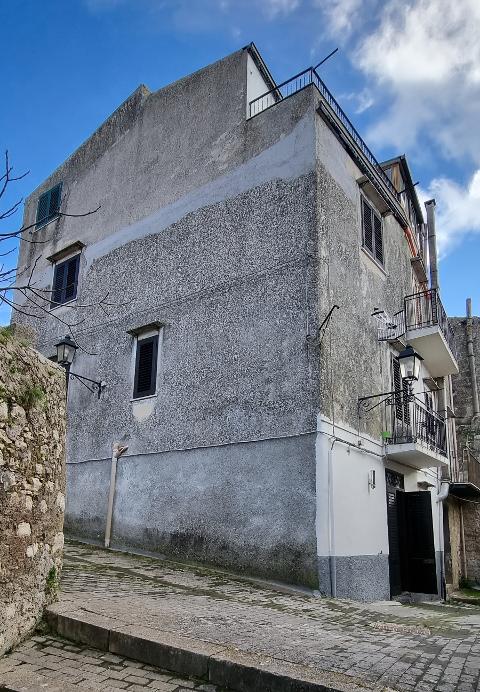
<point x="420" y="574"/>
<point x="395" y="486"/>
<point x="394" y="564"/>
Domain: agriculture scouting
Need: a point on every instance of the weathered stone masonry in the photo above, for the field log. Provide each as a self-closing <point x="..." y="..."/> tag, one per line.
<point x="32" y="485"/>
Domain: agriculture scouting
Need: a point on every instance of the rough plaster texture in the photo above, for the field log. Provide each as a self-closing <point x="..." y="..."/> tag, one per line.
<point x="359" y="577"/>
<point x="231" y="283"/>
<point x="249" y="507"/>
<point x="32" y="486"/>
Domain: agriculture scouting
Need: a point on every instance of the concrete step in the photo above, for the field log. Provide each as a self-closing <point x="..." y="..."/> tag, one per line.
<point x="217" y="664"/>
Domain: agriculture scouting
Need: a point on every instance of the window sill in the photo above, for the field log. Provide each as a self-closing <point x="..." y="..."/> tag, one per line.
<point x="144" y="398"/>
<point x="61" y="305"/>
<point x="374" y="261"/>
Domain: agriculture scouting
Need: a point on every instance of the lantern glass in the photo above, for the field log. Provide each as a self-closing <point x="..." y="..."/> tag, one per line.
<point x="409" y="364"/>
<point x="66" y="351"/>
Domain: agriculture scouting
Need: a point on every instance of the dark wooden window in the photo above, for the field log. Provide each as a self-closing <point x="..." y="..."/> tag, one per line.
<point x="146" y="367"/>
<point x="65" y="280"/>
<point x="372" y="232"/>
<point x="48" y="205"/>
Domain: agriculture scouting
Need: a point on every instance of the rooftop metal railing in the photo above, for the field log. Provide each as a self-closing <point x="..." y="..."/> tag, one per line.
<point x="425" y="309"/>
<point x="301" y="81"/>
<point x="411" y="421"/>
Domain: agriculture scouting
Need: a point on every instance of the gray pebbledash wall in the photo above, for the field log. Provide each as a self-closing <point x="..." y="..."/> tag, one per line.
<point x="237" y="236"/>
<point x="32" y="486"/>
<point x="212" y="239"/>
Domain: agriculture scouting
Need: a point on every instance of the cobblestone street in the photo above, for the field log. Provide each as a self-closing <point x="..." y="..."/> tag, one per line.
<point x="52" y="663"/>
<point x="381" y="646"/>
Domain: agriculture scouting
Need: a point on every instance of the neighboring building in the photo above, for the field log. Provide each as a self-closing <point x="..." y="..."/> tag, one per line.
<point x="245" y="237"/>
<point x="463" y="537"/>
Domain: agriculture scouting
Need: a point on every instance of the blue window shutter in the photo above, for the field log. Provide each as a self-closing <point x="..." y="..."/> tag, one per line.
<point x="71" y="276"/>
<point x="48" y="205"/>
<point x="55" y="199"/>
<point x="65" y="281"/>
<point x="146" y="367"/>
<point x="42" y="209"/>
<point x="58" y="283"/>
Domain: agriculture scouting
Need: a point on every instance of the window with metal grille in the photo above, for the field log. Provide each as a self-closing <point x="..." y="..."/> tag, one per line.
<point x="145" y="367"/>
<point x="372" y="231"/>
<point x="65" y="280"/>
<point x="48" y="205"/>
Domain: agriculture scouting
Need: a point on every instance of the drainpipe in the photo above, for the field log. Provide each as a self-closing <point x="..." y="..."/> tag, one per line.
<point x="444" y="490"/>
<point x="432" y="243"/>
<point x="462" y="525"/>
<point x="117" y="451"/>
<point x="471" y="360"/>
<point x="331" y="522"/>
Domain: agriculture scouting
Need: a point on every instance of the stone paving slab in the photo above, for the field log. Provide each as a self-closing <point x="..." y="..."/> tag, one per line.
<point x="340" y="644"/>
<point x="53" y="664"/>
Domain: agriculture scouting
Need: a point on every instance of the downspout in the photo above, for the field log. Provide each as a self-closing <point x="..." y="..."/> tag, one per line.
<point x="462" y="525"/>
<point x="441" y="497"/>
<point x="432" y="243"/>
<point x="471" y="360"/>
<point x="331" y="523"/>
<point x="117" y="451"/>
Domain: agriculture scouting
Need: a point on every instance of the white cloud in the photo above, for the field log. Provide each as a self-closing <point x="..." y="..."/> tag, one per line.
<point x="274" y="8"/>
<point x="457" y="210"/>
<point x="362" y="100"/>
<point x="426" y="55"/>
<point x="341" y="15"/>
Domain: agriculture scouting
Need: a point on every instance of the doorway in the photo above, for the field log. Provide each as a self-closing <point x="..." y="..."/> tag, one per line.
<point x="410" y="537"/>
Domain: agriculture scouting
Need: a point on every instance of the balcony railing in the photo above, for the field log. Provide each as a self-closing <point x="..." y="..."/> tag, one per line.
<point x="411" y="422"/>
<point x="301" y="81"/>
<point x="468" y="469"/>
<point x="425" y="309"/>
<point x="393" y="328"/>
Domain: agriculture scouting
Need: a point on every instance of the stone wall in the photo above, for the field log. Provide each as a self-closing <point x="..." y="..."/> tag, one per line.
<point x="32" y="485"/>
<point x="468" y="436"/>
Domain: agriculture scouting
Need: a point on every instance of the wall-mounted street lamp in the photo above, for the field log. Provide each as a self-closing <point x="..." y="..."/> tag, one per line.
<point x="409" y="364"/>
<point x="66" y="349"/>
<point x="409" y="361"/>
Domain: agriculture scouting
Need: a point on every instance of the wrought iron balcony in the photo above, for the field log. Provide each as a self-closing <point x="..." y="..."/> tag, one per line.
<point x="416" y="435"/>
<point x="425" y="309"/>
<point x="344" y="129"/>
<point x="423" y="323"/>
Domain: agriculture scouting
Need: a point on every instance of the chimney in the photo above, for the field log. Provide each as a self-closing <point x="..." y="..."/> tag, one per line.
<point x="432" y="243"/>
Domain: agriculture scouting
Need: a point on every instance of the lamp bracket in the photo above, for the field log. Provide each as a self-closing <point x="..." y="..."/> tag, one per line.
<point x="365" y="403"/>
<point x="93" y="386"/>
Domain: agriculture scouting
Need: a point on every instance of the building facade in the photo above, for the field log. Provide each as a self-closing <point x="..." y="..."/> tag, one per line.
<point x="463" y="504"/>
<point x="250" y="274"/>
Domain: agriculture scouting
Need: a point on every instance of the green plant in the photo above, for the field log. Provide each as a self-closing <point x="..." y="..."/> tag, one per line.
<point x="31" y="396"/>
<point x="6" y="333"/>
<point x="52" y="585"/>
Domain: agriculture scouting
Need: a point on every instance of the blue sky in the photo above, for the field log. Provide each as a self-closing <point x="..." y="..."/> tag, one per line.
<point x="407" y="73"/>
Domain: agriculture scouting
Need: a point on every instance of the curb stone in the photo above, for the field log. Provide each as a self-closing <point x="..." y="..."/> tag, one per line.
<point x="222" y="666"/>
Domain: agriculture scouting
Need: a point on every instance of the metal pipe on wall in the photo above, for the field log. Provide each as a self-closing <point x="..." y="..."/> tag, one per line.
<point x="432" y="243"/>
<point x="117" y="451"/>
<point x="471" y="359"/>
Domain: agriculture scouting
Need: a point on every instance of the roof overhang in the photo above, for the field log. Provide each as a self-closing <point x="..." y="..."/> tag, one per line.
<point x="465" y="491"/>
<point x="261" y="65"/>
